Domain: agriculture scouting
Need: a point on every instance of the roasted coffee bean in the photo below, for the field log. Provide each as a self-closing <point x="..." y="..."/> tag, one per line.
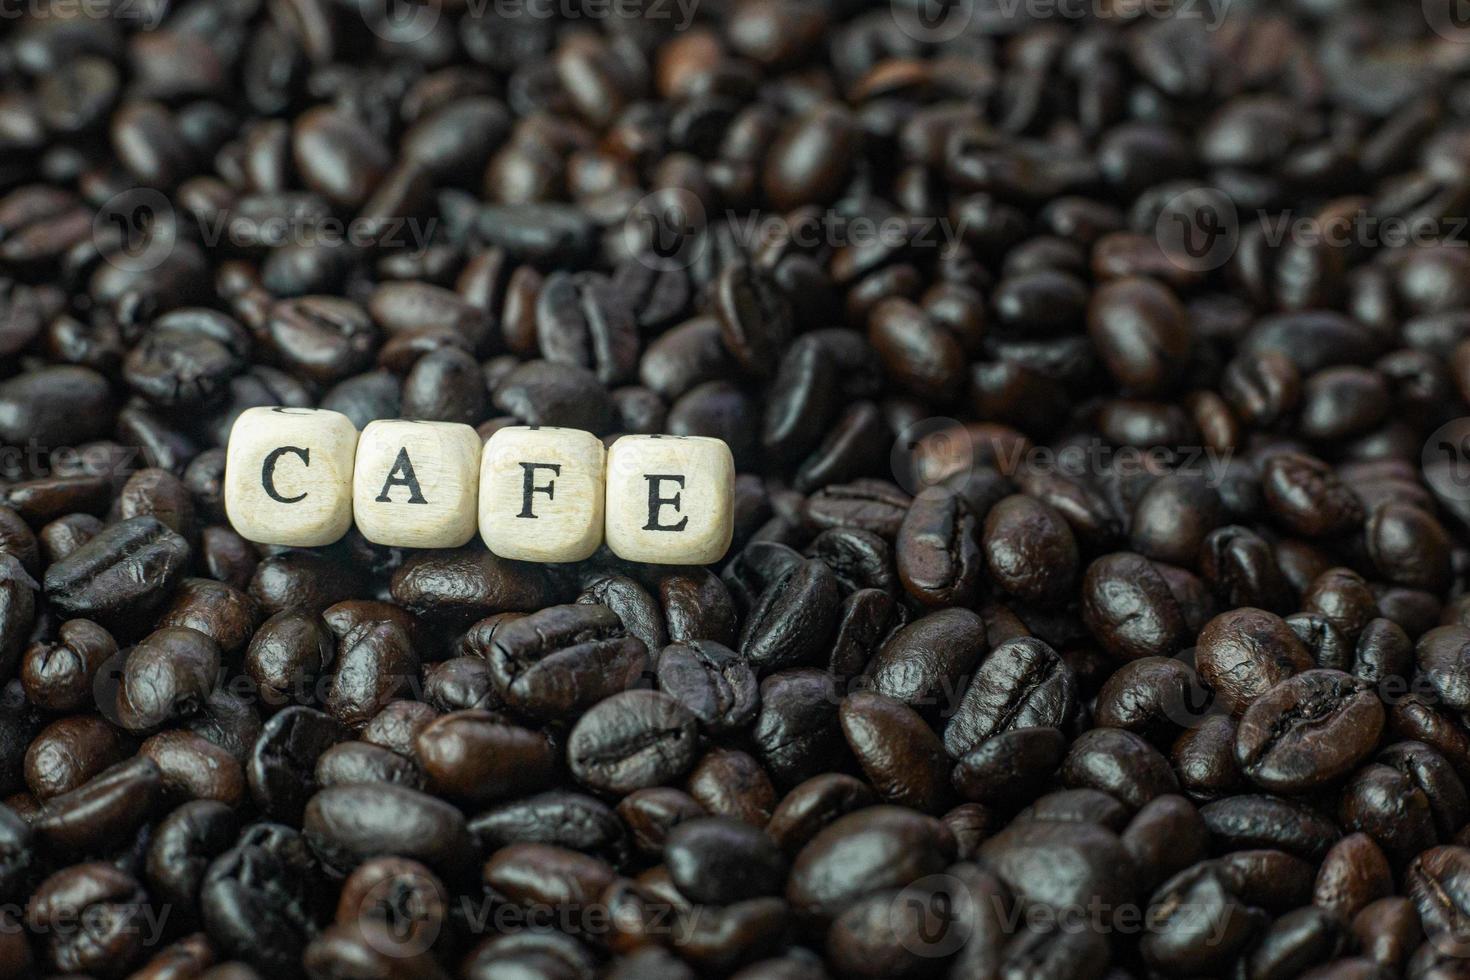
<point x="288" y="655"/>
<point x="796" y="733"/>
<point x="102" y="812"/>
<point x="1142" y="333"/>
<point x="70" y="751"/>
<point x="712" y="681"/>
<point x="718" y="861"/>
<point x="560" y="661"/>
<point x="925" y="664"/>
<point x="732" y="783"/>
<point x="183" y="846"/>
<point x="697" y="606"/>
<point x="865" y="851"/>
<point x="1062" y="864"/>
<point x="58" y="676"/>
<point x="1384" y="803"/>
<point x="1258" y="821"/>
<point x="1029" y="549"/>
<point x="793" y="619"/>
<point x="348" y="824"/>
<point x="900" y="754"/>
<point x="258" y="899"/>
<point x="1165" y="837"/>
<point x="1441" y="655"/>
<point x="1354" y="874"/>
<point x="632" y="740"/>
<point x="565" y="819"/>
<point x="121" y="577"/>
<point x="1308" y="730"/>
<point x="1180" y="941"/>
<point x="479" y="756"/>
<point x="1307" y="496"/>
<point x="1130" y="609"/>
<point x="1245" y="652"/>
<point x="110" y="899"/>
<point x="165" y="678"/>
<point x="467" y="585"/>
<point x="1023" y="683"/>
<point x="1119" y="763"/>
<point x="870" y="505"/>
<point x="650" y="814"/>
<point x="1434" y="881"/>
<point x="1011" y="766"/>
<point x="285" y="752"/>
<point x="938" y="551"/>
<point x="363" y="762"/>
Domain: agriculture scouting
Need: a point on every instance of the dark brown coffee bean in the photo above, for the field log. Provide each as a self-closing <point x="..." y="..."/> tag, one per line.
<point x="1245" y="652"/>
<point x="1308" y="730"/>
<point x="1023" y="683"/>
<point x="900" y="754"/>
<point x="1129" y="608"/>
<point x="58" y="676"/>
<point x="632" y="740"/>
<point x="121" y="576"/>
<point x="560" y="661"/>
<point x="479" y="756"/>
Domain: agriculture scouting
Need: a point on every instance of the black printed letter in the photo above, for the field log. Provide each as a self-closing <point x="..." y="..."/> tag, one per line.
<point x="268" y="472"/>
<point x="402" y="475"/>
<point x="655" y="502"/>
<point x="528" y="485"/>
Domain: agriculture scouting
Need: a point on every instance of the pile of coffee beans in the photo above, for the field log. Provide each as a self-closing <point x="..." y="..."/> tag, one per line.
<point x="1096" y="378"/>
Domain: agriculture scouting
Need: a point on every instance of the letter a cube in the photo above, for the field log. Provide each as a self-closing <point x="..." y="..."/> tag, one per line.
<point x="541" y="493"/>
<point x="288" y="476"/>
<point x="417" y="484"/>
<point x="670" y="499"/>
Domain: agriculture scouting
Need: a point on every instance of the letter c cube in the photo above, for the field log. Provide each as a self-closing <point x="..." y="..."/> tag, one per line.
<point x="288" y="476"/>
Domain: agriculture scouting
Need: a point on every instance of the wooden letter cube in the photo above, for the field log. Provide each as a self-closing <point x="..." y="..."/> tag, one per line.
<point x="288" y="476"/>
<point x="670" y="499"/>
<point x="541" y="493"/>
<point x="417" y="483"/>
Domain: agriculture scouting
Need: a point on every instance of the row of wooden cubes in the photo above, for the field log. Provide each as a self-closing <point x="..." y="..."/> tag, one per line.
<point x="300" y="477"/>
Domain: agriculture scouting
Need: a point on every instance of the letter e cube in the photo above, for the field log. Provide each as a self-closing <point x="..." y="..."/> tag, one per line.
<point x="670" y="499"/>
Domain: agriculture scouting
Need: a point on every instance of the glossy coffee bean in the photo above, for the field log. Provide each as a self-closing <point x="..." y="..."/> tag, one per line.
<point x="120" y="577"/>
<point x="632" y="740"/>
<point x="1023" y="683"/>
<point x="1308" y="730"/>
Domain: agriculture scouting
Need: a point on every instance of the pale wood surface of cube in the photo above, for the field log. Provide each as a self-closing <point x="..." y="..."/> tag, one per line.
<point x="288" y="476"/>
<point x="670" y="499"/>
<point x="541" y="493"/>
<point x="417" y="484"/>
